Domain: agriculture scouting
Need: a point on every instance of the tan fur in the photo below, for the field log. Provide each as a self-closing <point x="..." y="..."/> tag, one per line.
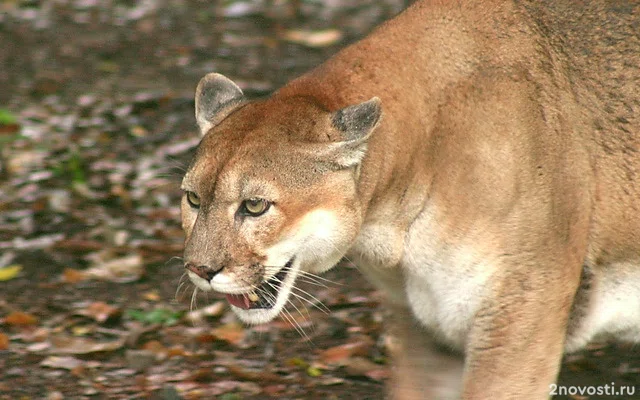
<point x="496" y="200"/>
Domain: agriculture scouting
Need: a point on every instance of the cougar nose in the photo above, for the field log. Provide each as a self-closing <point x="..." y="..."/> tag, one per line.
<point x="203" y="271"/>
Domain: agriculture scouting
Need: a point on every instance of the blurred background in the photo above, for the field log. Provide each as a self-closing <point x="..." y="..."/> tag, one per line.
<point x="96" y="127"/>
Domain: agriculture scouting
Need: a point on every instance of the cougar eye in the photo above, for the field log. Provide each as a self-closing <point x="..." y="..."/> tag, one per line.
<point x="254" y="207"/>
<point x="193" y="199"/>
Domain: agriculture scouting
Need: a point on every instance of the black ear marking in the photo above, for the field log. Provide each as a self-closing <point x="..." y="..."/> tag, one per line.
<point x="357" y="121"/>
<point x="355" y="124"/>
<point x="216" y="97"/>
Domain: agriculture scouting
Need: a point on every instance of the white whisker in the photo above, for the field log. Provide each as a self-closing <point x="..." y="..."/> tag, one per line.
<point x="194" y="301"/>
<point x="286" y="314"/>
<point x="317" y="304"/>
<point x="314" y="301"/>
<point x="295" y="324"/>
<point x="174" y="258"/>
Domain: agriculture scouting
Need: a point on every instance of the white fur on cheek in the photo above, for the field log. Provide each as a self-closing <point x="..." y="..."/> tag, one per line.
<point x="314" y="241"/>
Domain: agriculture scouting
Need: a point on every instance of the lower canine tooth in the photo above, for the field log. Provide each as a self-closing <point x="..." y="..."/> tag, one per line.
<point x="252" y="296"/>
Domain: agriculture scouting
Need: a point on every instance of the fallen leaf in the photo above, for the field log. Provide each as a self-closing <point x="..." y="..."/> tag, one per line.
<point x="10" y="272"/>
<point x="138" y="131"/>
<point x="203" y="375"/>
<point x="314" y="371"/>
<point x="214" y="310"/>
<point x="360" y="366"/>
<point x="121" y="270"/>
<point x="176" y="351"/>
<point x="81" y="330"/>
<point x="338" y="354"/>
<point x="38" y="347"/>
<point x="162" y="316"/>
<point x="67" y="362"/>
<point x="20" y="319"/>
<point x="223" y="389"/>
<point x="322" y="38"/>
<point x="39" y="334"/>
<point x="250" y="374"/>
<point x="9" y="128"/>
<point x="331" y="380"/>
<point x="137" y="330"/>
<point x="55" y="395"/>
<point x="378" y="374"/>
<point x="151" y="295"/>
<point x="78" y="245"/>
<point x="4" y="341"/>
<point x="100" y="312"/>
<point x="63" y="344"/>
<point x="155" y="347"/>
<point x="275" y="390"/>
<point x="297" y="362"/>
<point x="233" y="333"/>
<point x="108" y="66"/>
<point x="140" y="360"/>
<point x="42" y="242"/>
<point x="7" y="117"/>
<point x="70" y="275"/>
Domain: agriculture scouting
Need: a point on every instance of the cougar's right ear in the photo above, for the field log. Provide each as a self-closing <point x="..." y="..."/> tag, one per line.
<point x="216" y="97"/>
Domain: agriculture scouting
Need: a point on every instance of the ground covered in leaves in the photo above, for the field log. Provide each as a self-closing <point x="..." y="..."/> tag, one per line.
<point x="96" y="124"/>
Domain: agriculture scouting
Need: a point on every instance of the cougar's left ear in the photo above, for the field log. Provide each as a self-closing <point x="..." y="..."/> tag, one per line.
<point x="355" y="123"/>
<point x="216" y="97"/>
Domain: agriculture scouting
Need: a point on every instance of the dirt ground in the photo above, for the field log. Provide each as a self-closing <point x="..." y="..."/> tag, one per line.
<point x="96" y="126"/>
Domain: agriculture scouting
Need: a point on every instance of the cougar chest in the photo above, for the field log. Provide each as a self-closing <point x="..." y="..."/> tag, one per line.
<point x="377" y="251"/>
<point x="444" y="280"/>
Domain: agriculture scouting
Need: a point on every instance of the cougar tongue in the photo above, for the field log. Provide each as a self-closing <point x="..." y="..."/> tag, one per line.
<point x="238" y="300"/>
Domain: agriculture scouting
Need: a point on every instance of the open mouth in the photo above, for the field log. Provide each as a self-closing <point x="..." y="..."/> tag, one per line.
<point x="264" y="296"/>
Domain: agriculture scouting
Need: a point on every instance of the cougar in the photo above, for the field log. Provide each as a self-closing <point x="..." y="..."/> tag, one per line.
<point x="479" y="162"/>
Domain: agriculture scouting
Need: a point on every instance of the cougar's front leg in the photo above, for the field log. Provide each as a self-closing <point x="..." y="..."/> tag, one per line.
<point x="421" y="370"/>
<point x="516" y="342"/>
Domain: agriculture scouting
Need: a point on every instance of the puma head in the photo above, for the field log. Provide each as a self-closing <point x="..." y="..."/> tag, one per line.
<point x="271" y="194"/>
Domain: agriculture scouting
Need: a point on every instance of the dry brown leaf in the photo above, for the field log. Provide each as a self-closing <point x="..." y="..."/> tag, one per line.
<point x="309" y="38"/>
<point x="121" y="270"/>
<point x="203" y="375"/>
<point x="233" y="333"/>
<point x="219" y="388"/>
<point x="275" y="390"/>
<point x="63" y="344"/>
<point x="155" y="347"/>
<point x="19" y="318"/>
<point x="100" y="312"/>
<point x="38" y="347"/>
<point x="176" y="351"/>
<point x="136" y="330"/>
<point x="140" y="360"/>
<point x="70" y="275"/>
<point x="253" y="374"/>
<point x="69" y="363"/>
<point x="338" y="354"/>
<point x="82" y="330"/>
<point x="360" y="366"/>
<point x="378" y="374"/>
<point x="151" y="295"/>
<point x="213" y="310"/>
<point x="78" y="245"/>
<point x="4" y="341"/>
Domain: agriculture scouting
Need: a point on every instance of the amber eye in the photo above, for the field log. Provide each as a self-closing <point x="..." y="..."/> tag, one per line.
<point x="193" y="199"/>
<point x="254" y="207"/>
